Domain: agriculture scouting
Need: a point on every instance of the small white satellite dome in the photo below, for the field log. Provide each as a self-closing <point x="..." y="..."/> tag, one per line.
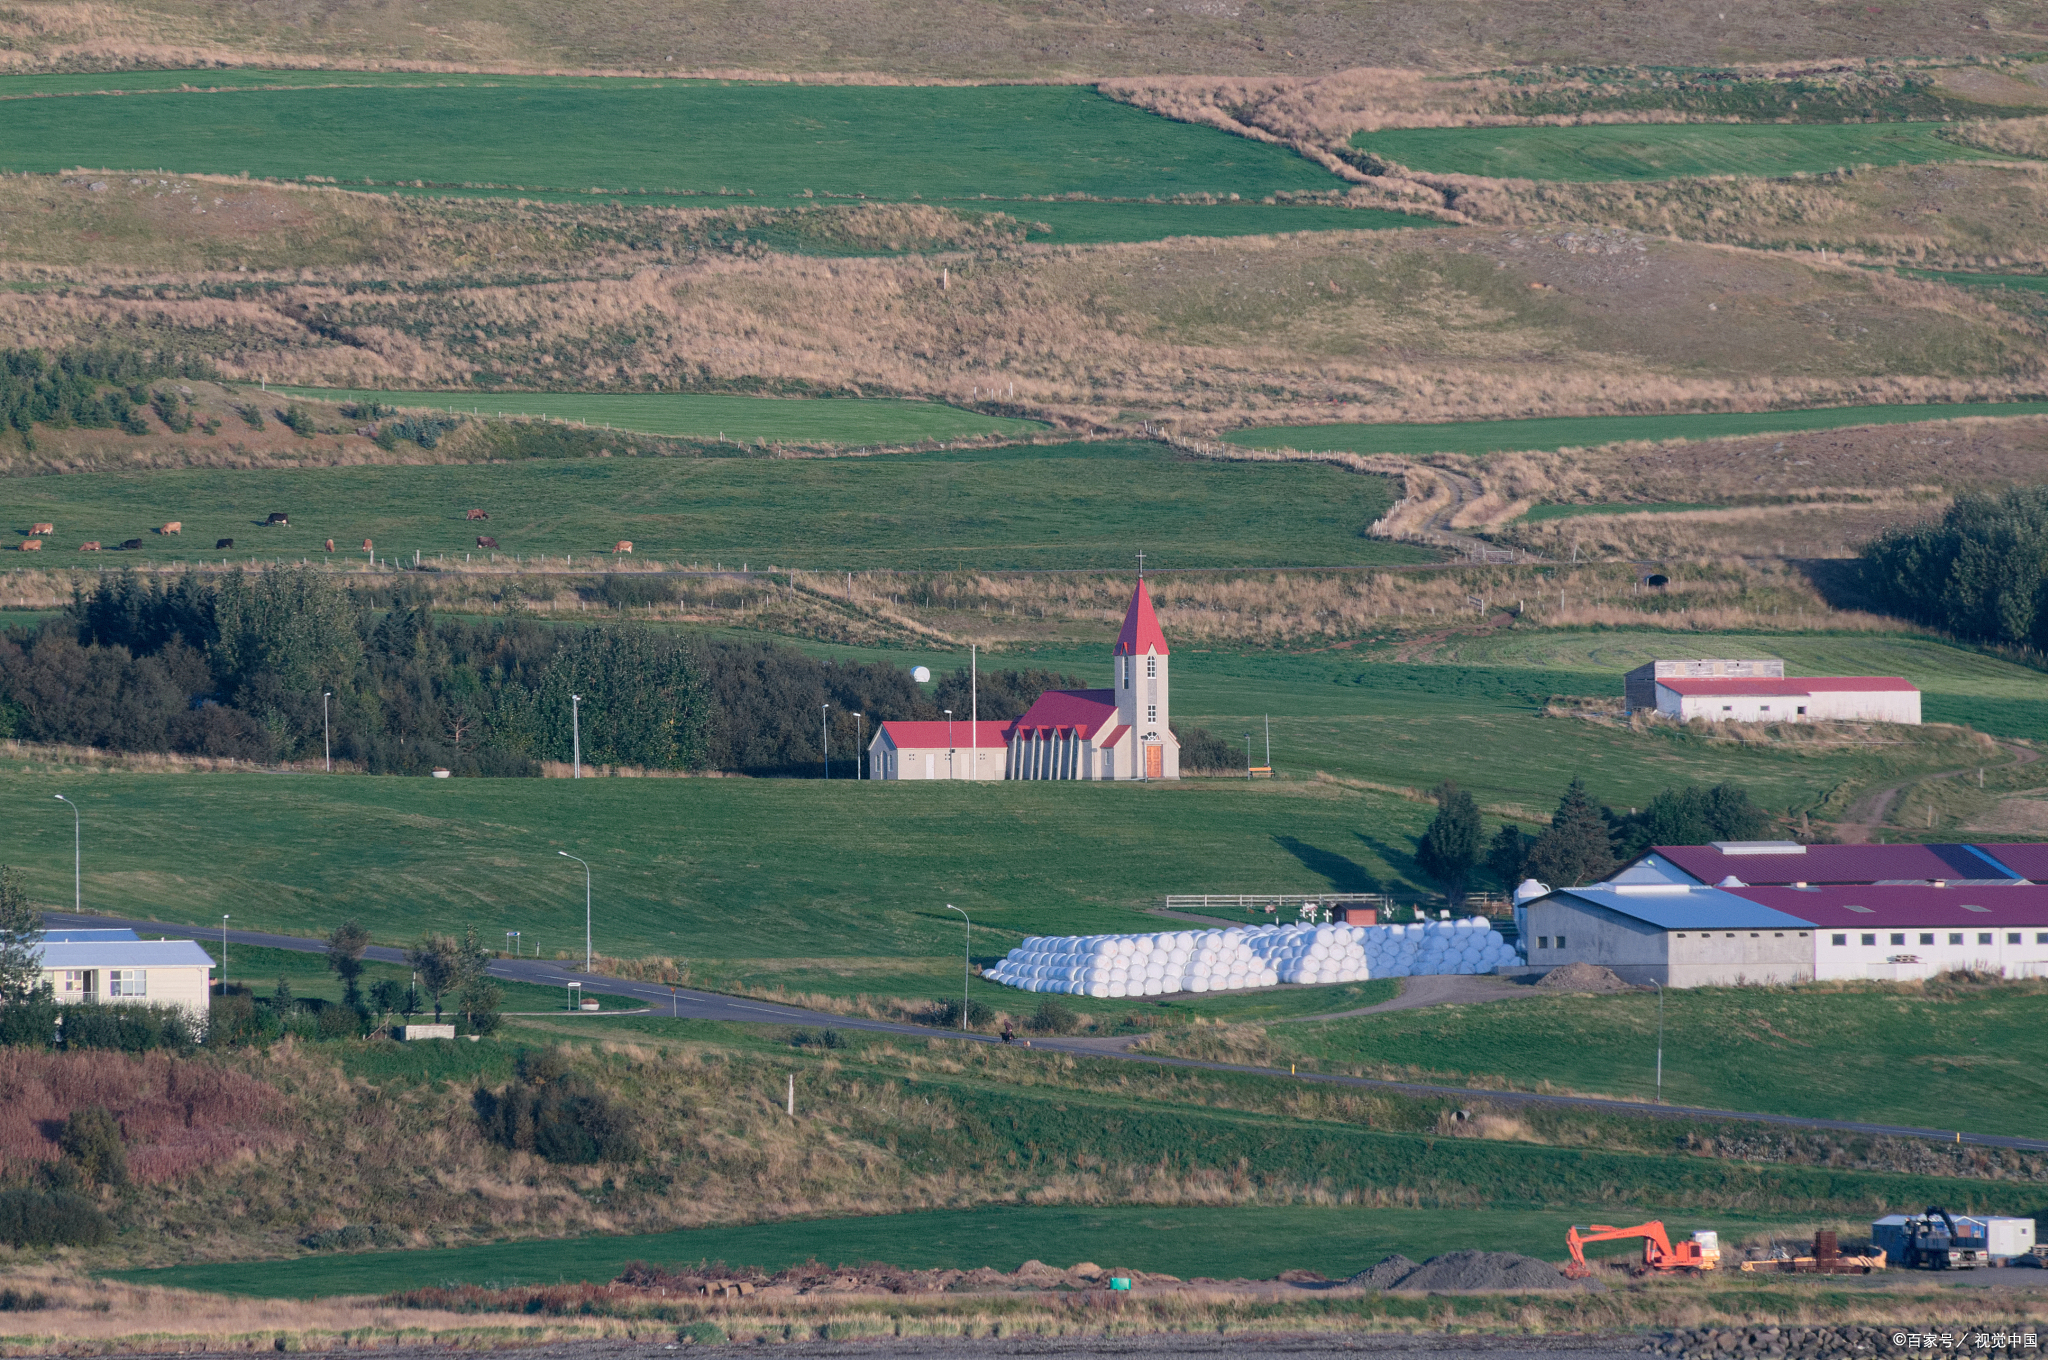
<point x="1530" y="890"/>
<point x="1731" y="882"/>
<point x="921" y="674"/>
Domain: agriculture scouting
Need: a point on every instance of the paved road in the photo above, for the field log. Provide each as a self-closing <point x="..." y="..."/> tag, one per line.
<point x="695" y="1005"/>
<point x="1152" y="1346"/>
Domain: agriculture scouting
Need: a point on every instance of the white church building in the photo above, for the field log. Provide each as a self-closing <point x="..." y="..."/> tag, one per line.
<point x="1117" y="733"/>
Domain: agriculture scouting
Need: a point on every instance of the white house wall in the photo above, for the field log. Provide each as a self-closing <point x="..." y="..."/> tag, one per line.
<point x="180" y="985"/>
<point x="1934" y="949"/>
<point x="1892" y="706"/>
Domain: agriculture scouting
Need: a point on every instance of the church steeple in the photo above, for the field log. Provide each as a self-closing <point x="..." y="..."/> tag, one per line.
<point x="1141" y="686"/>
<point x="1141" y="626"/>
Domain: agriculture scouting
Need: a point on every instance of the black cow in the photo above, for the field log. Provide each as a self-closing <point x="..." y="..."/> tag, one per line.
<point x="131" y="545"/>
<point x="483" y="542"/>
<point x="278" y="518"/>
<point x="224" y="543"/>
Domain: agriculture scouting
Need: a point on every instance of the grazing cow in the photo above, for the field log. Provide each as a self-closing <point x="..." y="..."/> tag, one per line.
<point x="32" y="545"/>
<point x="483" y="542"/>
<point x="624" y="545"/>
<point x="224" y="543"/>
<point x="478" y="514"/>
<point x="174" y="527"/>
<point x="41" y="530"/>
<point x="366" y="545"/>
<point x="330" y="545"/>
<point x="277" y="518"/>
<point x="93" y="546"/>
<point x="130" y="544"/>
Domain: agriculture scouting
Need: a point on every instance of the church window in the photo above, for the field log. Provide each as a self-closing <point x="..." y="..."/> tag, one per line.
<point x="1151" y="713"/>
<point x="1151" y="667"/>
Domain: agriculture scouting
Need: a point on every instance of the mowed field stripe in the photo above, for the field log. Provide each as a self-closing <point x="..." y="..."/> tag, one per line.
<point x="1647" y="151"/>
<point x="1519" y="436"/>
<point x="764" y="143"/>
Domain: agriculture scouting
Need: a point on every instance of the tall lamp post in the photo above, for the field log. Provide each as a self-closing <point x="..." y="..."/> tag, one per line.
<point x="1247" y="755"/>
<point x="825" y="738"/>
<point x="949" y="754"/>
<point x="576" y="737"/>
<point x="586" y="905"/>
<point x="326" y="731"/>
<point x="966" y="965"/>
<point x="859" y="731"/>
<point x="1660" y="1041"/>
<point x="77" y="880"/>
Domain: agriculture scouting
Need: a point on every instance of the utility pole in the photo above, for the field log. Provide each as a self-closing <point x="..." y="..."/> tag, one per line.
<point x="1269" y="743"/>
<point x="576" y="735"/>
<point x="974" y="712"/>
<point x="327" y="731"/>
<point x="825" y="739"/>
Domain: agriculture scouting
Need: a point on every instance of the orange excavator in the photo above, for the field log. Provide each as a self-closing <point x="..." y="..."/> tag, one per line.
<point x="1658" y="1253"/>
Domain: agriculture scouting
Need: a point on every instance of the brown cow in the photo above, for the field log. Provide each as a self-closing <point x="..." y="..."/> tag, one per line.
<point x="330" y="545"/>
<point x="41" y="530"/>
<point x="624" y="545"/>
<point x="223" y="543"/>
<point x="174" y="527"/>
<point x="483" y="542"/>
<point x="93" y="546"/>
<point x="366" y="545"/>
<point x="32" y="545"/>
<point x="478" y="514"/>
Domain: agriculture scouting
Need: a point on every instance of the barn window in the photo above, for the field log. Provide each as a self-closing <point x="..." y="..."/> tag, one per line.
<point x="1983" y="937"/>
<point x="1754" y="934"/>
<point x="2012" y="937"/>
<point x="1560" y="942"/>
<point x="1898" y="937"/>
<point x="1681" y="934"/>
<point x="1869" y="939"/>
<point x="1727" y="708"/>
<point x="1955" y="937"/>
<point x="1802" y="709"/>
<point x="127" y="982"/>
<point x="1766" y="708"/>
<point x="1927" y="937"/>
<point x="2041" y="937"/>
<point x="1779" y="933"/>
<point x="1543" y="942"/>
<point x="1841" y="940"/>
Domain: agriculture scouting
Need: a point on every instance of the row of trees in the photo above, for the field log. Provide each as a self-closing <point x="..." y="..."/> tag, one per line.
<point x="1979" y="572"/>
<point x="97" y="387"/>
<point x="1585" y="841"/>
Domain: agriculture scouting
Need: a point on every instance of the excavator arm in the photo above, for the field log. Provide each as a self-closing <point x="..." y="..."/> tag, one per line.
<point x="1657" y="1253"/>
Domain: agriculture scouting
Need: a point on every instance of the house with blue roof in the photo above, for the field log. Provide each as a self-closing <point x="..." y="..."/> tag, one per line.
<point x="1647" y="928"/>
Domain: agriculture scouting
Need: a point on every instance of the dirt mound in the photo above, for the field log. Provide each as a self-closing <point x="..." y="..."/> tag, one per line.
<point x="1483" y="1270"/>
<point x="1386" y="1274"/>
<point x="1583" y="977"/>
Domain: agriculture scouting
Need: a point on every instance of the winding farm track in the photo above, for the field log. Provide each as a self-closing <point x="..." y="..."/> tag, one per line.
<point x="688" y="1004"/>
<point x="1867" y="813"/>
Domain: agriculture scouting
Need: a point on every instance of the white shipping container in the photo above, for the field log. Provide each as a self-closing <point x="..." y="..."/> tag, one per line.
<point x="2009" y="1237"/>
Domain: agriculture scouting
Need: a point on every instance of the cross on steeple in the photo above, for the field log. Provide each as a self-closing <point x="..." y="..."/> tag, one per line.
<point x="1141" y="566"/>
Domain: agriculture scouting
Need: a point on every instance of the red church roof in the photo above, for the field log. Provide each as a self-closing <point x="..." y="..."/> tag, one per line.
<point x="1088" y="710"/>
<point x="964" y="735"/>
<point x="1141" y="626"/>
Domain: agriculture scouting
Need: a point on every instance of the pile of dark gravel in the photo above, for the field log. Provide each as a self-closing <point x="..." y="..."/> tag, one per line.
<point x="1463" y="1271"/>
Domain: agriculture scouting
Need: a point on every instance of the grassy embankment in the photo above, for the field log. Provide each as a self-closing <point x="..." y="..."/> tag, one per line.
<point x="1062" y="506"/>
<point x="887" y="1125"/>
<point x="260" y="969"/>
<point x="1649" y="151"/>
<point x="1825" y="1053"/>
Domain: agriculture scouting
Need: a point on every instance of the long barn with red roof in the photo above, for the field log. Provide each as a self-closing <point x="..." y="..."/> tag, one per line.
<point x="1122" y="732"/>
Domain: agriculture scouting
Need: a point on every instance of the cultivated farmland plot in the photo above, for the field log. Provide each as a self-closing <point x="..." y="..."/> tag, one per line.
<point x="1061" y="506"/>
<point x="770" y="142"/>
<point x="1645" y="151"/>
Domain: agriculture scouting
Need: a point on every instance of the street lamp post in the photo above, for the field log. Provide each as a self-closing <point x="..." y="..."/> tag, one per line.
<point x="825" y="739"/>
<point x="859" y="731"/>
<point x="77" y="879"/>
<point x="1247" y="755"/>
<point x="966" y="965"/>
<point x="223" y="955"/>
<point x="576" y="736"/>
<point x="1660" y="1041"/>
<point x="586" y="905"/>
<point x="949" y="746"/>
<point x="326" y="731"/>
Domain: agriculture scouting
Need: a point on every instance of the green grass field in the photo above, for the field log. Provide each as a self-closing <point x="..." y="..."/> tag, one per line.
<point x="1978" y="1063"/>
<point x="767" y="143"/>
<point x="1237" y="1241"/>
<point x="1646" y="151"/>
<point x="308" y="976"/>
<point x="1503" y="436"/>
<point x="1066" y="506"/>
<point x="704" y="415"/>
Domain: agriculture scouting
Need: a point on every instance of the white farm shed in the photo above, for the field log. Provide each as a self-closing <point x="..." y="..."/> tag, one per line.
<point x="1672" y="934"/>
<point x="130" y="972"/>
<point x="1862" y="698"/>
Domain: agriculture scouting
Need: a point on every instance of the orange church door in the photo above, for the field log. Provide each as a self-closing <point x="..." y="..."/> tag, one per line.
<point x="1155" y="761"/>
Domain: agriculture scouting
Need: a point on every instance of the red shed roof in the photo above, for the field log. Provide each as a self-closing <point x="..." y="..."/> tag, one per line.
<point x="933" y="735"/>
<point x="1835" y="908"/>
<point x="2028" y="859"/>
<point x="1789" y="688"/>
<point x="1141" y="626"/>
<point x="1088" y="710"/>
<point x="1834" y="863"/>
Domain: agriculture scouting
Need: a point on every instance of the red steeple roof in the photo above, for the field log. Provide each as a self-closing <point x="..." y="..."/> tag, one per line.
<point x="1141" y="626"/>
